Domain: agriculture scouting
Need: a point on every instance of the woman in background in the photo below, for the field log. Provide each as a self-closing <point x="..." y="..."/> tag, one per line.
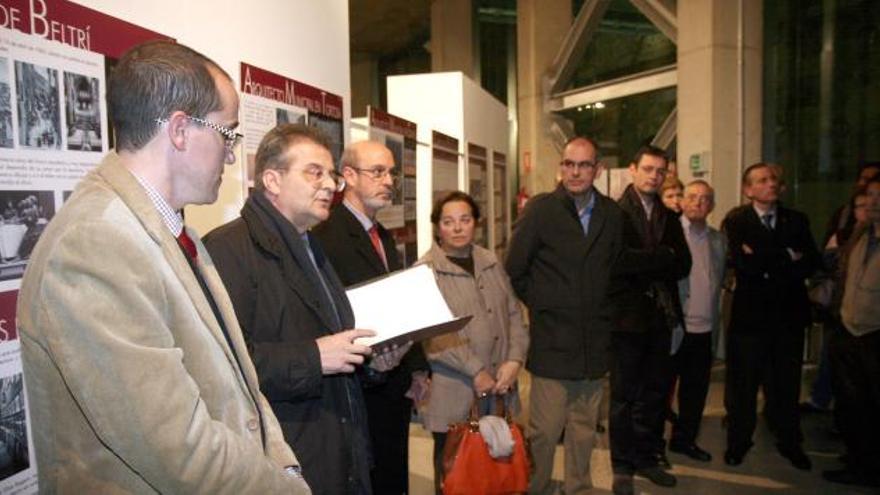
<point x="671" y="193"/>
<point x="485" y="356"/>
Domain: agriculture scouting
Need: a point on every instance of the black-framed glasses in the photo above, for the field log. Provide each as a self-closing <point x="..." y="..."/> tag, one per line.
<point x="230" y="137"/>
<point x="571" y="164"/>
<point x="377" y="173"/>
<point x="316" y="175"/>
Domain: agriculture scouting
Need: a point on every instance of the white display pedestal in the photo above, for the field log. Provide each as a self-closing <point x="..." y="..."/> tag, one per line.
<point x="451" y="103"/>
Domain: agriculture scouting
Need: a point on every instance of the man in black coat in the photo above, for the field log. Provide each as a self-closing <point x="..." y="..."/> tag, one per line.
<point x="294" y="313"/>
<point x="646" y="312"/>
<point x="360" y="249"/>
<point x="773" y="253"/>
<point x="559" y="261"/>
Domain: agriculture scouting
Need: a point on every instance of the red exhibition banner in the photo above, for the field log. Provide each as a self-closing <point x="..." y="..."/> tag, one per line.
<point x="261" y="82"/>
<point x="72" y="24"/>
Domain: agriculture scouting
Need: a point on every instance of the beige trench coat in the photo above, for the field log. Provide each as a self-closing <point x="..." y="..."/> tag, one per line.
<point x="495" y="334"/>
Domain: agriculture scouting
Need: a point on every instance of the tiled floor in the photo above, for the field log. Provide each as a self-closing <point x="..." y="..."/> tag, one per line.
<point x="764" y="471"/>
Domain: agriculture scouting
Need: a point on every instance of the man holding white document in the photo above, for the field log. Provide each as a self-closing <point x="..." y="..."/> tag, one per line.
<point x="294" y="313"/>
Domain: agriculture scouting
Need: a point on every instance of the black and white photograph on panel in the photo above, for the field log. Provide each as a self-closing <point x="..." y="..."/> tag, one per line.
<point x="284" y="116"/>
<point x="25" y="216"/>
<point x="6" y="132"/>
<point x="82" y="99"/>
<point x="395" y="144"/>
<point x="332" y="128"/>
<point x="39" y="112"/>
<point x="14" y="456"/>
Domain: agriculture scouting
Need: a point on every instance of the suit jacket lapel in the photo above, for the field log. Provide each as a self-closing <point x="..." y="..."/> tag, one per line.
<point x="631" y="201"/>
<point x="134" y="196"/>
<point x="302" y="276"/>
<point x="225" y="307"/>
<point x="361" y="240"/>
<point x="337" y="292"/>
<point x="299" y="272"/>
<point x="394" y="261"/>
<point x="658" y="220"/>
<point x="597" y="221"/>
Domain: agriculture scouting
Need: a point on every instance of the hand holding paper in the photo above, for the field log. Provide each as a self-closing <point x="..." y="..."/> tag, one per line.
<point x="388" y="358"/>
<point x="406" y="306"/>
<point x="339" y="353"/>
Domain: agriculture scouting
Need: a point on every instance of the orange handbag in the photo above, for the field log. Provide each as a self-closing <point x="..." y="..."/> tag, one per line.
<point x="469" y="468"/>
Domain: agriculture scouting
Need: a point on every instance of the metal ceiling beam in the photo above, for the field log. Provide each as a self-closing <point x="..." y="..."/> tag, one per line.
<point x="661" y="15"/>
<point x="642" y="82"/>
<point x="561" y="130"/>
<point x="667" y="131"/>
<point x="575" y="44"/>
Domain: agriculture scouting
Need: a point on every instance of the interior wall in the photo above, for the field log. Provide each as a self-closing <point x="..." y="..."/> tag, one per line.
<point x="303" y="40"/>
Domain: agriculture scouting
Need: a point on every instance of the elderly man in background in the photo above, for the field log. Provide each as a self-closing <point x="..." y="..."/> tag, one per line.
<point x="700" y="295"/>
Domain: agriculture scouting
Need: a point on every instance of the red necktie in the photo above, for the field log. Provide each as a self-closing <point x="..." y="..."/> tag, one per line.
<point x="188" y="245"/>
<point x="377" y="244"/>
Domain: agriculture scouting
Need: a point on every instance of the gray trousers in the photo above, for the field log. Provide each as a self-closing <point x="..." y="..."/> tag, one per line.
<point x="554" y="405"/>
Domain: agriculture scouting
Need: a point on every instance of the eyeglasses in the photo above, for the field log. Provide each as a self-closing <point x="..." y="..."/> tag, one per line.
<point x="571" y="164"/>
<point x="316" y="175"/>
<point x="699" y="199"/>
<point x="377" y="173"/>
<point x="231" y="138"/>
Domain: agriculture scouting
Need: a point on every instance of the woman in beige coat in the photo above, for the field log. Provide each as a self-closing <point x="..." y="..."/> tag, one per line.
<point x="485" y="356"/>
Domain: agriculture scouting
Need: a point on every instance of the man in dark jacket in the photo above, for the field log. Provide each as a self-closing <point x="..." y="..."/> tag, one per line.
<point x="360" y="249"/>
<point x="772" y="252"/>
<point x="646" y="312"/>
<point x="560" y="259"/>
<point x="293" y="310"/>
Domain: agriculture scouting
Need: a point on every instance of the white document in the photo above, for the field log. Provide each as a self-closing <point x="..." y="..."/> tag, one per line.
<point x="402" y="307"/>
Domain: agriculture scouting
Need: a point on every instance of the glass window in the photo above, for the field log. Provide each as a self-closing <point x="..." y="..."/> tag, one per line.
<point x="623" y="125"/>
<point x="624" y="43"/>
<point x="821" y="95"/>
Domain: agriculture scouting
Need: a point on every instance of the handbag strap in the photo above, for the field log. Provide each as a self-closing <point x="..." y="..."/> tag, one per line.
<point x="501" y="407"/>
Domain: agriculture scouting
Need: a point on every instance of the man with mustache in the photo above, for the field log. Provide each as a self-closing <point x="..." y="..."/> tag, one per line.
<point x="293" y="310"/>
<point x="361" y="249"/>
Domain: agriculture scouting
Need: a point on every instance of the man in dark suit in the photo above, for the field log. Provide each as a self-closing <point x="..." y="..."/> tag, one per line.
<point x="772" y="253"/>
<point x="360" y="248"/>
<point x="293" y="310"/>
<point x="646" y="312"/>
<point x="561" y="254"/>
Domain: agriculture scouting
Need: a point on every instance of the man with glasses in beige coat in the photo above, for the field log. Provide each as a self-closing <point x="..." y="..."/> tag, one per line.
<point x="137" y="376"/>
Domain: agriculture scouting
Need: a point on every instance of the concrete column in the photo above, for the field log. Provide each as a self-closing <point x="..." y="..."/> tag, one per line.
<point x="452" y="37"/>
<point x="364" y="83"/>
<point x="541" y="27"/>
<point x="719" y="92"/>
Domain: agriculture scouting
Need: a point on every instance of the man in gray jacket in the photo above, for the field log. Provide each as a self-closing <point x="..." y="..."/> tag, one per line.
<point x="561" y="254"/>
<point x="700" y="294"/>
